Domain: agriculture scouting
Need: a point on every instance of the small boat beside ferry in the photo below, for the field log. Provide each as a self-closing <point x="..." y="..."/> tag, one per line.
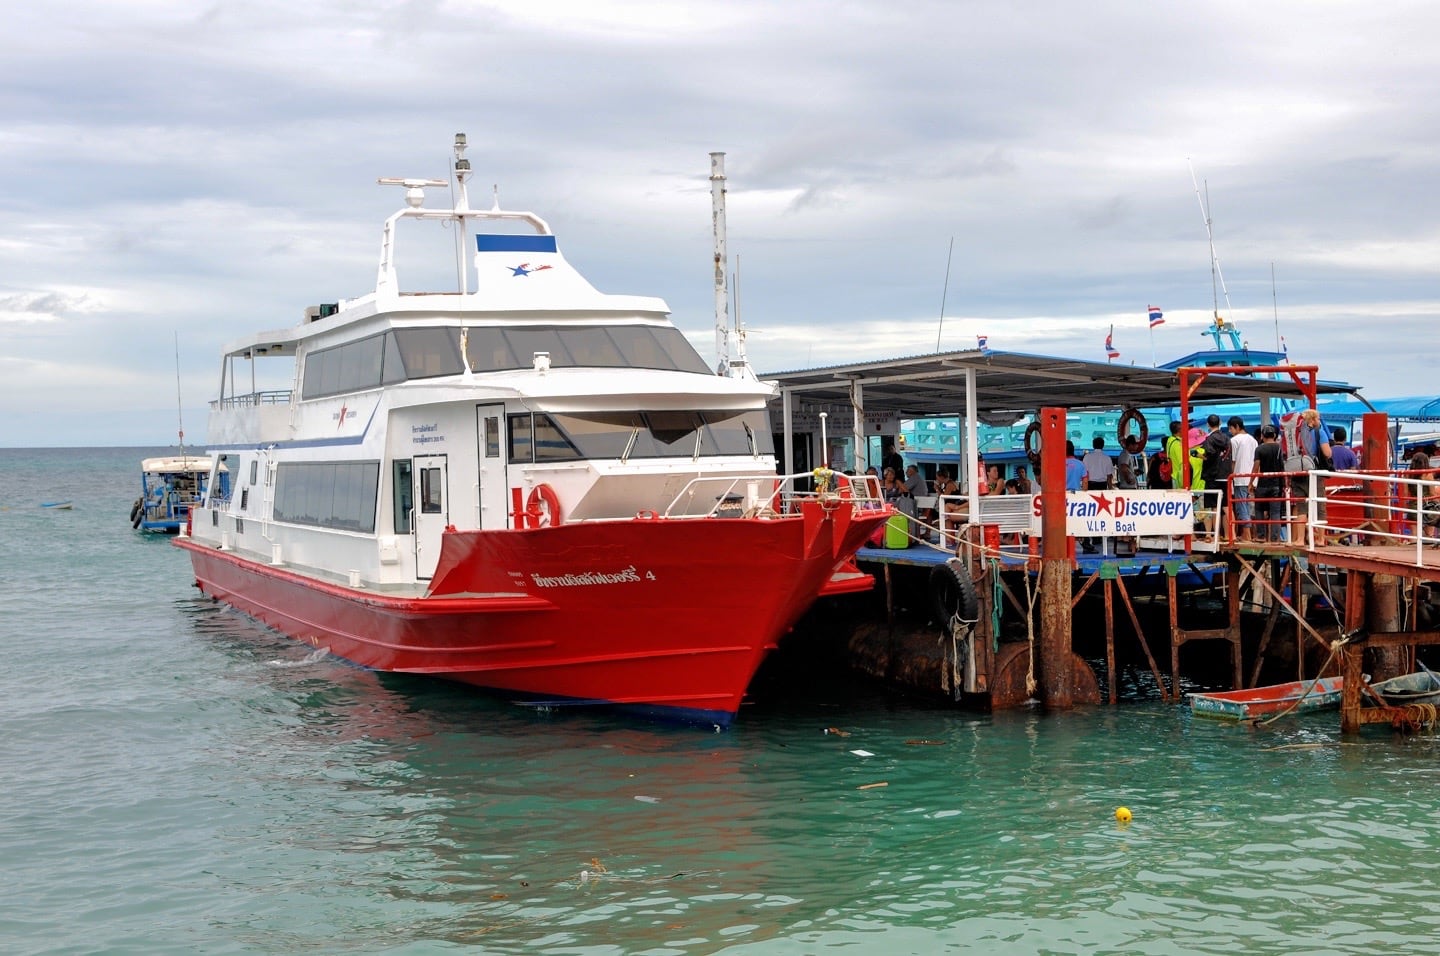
<point x="522" y="484"/>
<point x="169" y="487"/>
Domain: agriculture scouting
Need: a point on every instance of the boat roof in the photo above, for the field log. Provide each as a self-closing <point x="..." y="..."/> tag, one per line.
<point x="1018" y="382"/>
<point x="178" y="465"/>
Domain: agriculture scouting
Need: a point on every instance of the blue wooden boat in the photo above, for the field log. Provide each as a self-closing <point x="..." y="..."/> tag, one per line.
<point x="1300" y="695"/>
<point x="65" y="505"/>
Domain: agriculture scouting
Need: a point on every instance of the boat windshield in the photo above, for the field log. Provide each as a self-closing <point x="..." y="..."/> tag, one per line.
<point x="651" y="434"/>
<point x="401" y="354"/>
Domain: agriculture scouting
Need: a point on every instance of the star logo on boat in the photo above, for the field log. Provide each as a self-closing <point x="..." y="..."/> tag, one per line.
<point x="525" y="268"/>
<point x="1103" y="503"/>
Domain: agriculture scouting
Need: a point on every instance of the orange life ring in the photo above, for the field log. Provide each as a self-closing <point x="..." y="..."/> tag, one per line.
<point x="1032" y="442"/>
<point x="542" y="508"/>
<point x="1132" y="415"/>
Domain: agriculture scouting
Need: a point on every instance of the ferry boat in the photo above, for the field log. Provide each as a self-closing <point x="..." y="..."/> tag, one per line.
<point x="169" y="487"/>
<point x="522" y="484"/>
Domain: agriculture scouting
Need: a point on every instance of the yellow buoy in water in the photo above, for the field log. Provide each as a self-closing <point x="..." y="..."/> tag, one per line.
<point x="1123" y="814"/>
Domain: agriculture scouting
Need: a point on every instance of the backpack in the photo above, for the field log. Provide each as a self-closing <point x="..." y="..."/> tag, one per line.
<point x="1167" y="467"/>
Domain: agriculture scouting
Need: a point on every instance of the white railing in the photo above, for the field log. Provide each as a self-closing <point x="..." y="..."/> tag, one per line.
<point x="1395" y="509"/>
<point x="750" y="495"/>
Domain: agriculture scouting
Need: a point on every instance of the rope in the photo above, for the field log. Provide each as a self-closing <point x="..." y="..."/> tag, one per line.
<point x="1413" y="717"/>
<point x="1335" y="648"/>
<point x="1030" y="593"/>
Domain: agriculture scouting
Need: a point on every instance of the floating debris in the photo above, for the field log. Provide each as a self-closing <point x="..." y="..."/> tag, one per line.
<point x="837" y="731"/>
<point x="862" y="753"/>
<point x="872" y="786"/>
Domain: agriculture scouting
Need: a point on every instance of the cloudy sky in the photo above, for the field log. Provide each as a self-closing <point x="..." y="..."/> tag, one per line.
<point x="191" y="173"/>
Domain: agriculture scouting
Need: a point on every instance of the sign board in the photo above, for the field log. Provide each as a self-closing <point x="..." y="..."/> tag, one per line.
<point x="1120" y="512"/>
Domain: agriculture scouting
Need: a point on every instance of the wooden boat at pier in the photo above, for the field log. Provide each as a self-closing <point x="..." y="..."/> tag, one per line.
<point x="1421" y="687"/>
<point x="1302" y="695"/>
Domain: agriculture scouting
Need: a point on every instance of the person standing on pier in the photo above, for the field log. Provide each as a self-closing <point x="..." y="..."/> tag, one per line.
<point x="1242" y="457"/>
<point x="1127" y="466"/>
<point x="1099" y="476"/>
<point x="1175" y="453"/>
<point x="1269" y="487"/>
<point x="1342" y="456"/>
<point x="1074" y="471"/>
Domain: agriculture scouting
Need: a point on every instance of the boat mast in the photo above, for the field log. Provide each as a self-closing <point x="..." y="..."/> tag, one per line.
<point x="1217" y="278"/>
<point x="179" y="401"/>
<point x="722" y="299"/>
<point x="462" y="204"/>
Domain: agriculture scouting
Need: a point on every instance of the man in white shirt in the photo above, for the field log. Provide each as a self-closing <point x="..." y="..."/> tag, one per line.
<point x="1099" y="475"/>
<point x="1242" y="456"/>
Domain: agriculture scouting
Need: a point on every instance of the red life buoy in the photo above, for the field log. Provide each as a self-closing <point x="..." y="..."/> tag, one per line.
<point x="1132" y="415"/>
<point x="543" y="507"/>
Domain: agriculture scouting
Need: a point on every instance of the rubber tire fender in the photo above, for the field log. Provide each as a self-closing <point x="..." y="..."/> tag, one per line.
<point x="135" y="511"/>
<point x="952" y="594"/>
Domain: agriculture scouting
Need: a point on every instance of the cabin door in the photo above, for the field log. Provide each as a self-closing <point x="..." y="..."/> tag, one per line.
<point x="432" y="511"/>
<point x="493" y="491"/>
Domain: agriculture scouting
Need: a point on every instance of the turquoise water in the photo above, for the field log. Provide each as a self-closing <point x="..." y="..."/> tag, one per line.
<point x="178" y="779"/>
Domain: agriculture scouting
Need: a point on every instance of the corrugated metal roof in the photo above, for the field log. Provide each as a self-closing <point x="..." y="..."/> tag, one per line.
<point x="924" y="385"/>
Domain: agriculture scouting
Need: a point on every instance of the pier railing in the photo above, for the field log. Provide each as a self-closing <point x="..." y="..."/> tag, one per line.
<point x="1393" y="509"/>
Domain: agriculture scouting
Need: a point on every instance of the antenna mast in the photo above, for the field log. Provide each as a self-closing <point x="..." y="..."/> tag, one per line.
<point x="1215" y="273"/>
<point x="179" y="402"/>
<point x="944" y="291"/>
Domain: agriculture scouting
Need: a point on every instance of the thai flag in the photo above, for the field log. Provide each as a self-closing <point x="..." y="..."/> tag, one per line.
<point x="1111" y="351"/>
<point x="1156" y="316"/>
<point x="983" y="342"/>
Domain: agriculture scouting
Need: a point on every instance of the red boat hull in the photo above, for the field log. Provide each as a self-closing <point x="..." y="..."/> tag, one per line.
<point x="657" y="614"/>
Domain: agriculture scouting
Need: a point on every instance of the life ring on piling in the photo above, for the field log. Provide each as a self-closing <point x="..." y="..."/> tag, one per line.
<point x="542" y="508"/>
<point x="1032" y="441"/>
<point x="1132" y="416"/>
<point x="953" y="596"/>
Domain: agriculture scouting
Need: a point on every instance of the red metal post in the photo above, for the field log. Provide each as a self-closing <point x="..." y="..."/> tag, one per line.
<point x="1054" y="663"/>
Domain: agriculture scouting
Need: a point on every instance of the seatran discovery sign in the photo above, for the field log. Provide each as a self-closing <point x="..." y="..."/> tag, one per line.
<point x="1123" y="513"/>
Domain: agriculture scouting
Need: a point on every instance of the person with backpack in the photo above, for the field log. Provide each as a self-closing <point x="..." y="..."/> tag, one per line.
<point x="1172" y="465"/>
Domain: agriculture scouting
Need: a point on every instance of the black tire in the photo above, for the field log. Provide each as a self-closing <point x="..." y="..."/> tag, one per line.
<point x="953" y="595"/>
<point x="135" y="509"/>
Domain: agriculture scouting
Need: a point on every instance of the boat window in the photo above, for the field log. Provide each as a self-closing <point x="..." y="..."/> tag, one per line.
<point x="524" y="343"/>
<point x="488" y="350"/>
<point x="430" y="352"/>
<point x="492" y="436"/>
<point x="666" y="434"/>
<point x="403" y="493"/>
<point x="410" y="353"/>
<point x="521" y="448"/>
<point x="328" y="494"/>
<point x="643" y="350"/>
<point x="551" y="443"/>
<point x="431" y="500"/>
<point x="359" y="364"/>
<point x="392" y="366"/>
<point x="254" y="470"/>
<point x="593" y="348"/>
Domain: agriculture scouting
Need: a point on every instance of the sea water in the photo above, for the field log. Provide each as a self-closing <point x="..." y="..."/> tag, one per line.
<point x="179" y="779"/>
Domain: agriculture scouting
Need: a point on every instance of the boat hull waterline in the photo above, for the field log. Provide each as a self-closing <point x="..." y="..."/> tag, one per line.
<point x="669" y="616"/>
